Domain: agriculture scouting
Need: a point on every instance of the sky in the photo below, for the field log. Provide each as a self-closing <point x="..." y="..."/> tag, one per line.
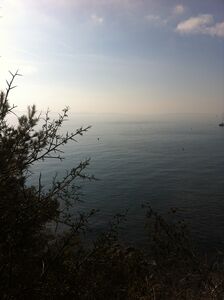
<point x="114" y="56"/>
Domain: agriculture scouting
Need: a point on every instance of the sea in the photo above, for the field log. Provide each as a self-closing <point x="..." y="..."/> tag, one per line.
<point x="168" y="161"/>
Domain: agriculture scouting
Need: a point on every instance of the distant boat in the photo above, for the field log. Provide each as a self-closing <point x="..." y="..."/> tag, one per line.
<point x="222" y="123"/>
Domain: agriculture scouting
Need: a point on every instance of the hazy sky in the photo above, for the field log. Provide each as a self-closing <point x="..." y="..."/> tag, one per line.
<point x="114" y="56"/>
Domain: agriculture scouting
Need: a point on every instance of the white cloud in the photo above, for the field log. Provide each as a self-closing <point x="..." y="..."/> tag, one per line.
<point x="96" y="19"/>
<point x="195" y="24"/>
<point x="179" y="9"/>
<point x="202" y="24"/>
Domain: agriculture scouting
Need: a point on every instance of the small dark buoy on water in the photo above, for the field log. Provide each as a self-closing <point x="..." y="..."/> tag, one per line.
<point x="98" y="139"/>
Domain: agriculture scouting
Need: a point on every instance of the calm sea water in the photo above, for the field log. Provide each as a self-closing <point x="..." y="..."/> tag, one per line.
<point x="168" y="161"/>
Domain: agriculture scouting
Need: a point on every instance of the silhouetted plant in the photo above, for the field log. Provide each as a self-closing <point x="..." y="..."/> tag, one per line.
<point x="25" y="210"/>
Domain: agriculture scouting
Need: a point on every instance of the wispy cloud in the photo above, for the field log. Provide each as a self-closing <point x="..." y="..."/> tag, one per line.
<point x="179" y="9"/>
<point x="155" y="20"/>
<point x="202" y="24"/>
<point x="96" y="19"/>
<point x="159" y="20"/>
<point x="217" y="30"/>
